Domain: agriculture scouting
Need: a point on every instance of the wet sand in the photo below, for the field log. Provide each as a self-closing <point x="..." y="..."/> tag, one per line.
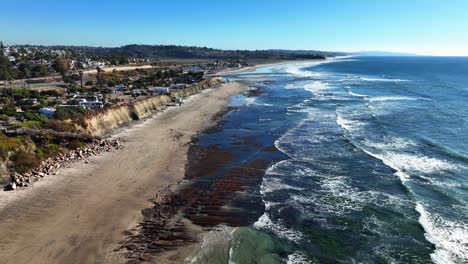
<point x="81" y="214"/>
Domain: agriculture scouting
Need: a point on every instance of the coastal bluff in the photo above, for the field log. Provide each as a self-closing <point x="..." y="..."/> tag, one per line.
<point x="102" y="122"/>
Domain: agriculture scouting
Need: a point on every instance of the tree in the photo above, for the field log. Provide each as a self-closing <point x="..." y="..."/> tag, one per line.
<point x="1" y="45"/>
<point x="81" y="78"/>
<point x="60" y="65"/>
<point x="7" y="72"/>
<point x="99" y="77"/>
<point x="39" y="71"/>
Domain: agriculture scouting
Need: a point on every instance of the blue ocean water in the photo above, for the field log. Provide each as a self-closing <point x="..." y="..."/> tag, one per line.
<point x="375" y="167"/>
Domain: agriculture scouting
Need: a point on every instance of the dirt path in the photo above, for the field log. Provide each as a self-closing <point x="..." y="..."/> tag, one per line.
<point x="79" y="215"/>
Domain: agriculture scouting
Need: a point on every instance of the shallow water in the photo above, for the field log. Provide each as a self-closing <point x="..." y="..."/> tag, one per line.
<point x="374" y="166"/>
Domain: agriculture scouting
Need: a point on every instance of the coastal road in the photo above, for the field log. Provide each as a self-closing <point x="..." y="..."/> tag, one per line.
<point x="79" y="215"/>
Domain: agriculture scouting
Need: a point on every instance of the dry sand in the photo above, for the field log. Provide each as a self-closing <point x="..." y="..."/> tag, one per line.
<point x="79" y="215"/>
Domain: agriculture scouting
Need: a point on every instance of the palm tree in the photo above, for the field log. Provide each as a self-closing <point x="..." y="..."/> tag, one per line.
<point x="81" y="78"/>
<point x="98" y="76"/>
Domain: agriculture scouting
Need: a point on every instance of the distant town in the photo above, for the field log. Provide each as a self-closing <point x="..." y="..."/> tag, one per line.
<point x="47" y="91"/>
<point x="49" y="82"/>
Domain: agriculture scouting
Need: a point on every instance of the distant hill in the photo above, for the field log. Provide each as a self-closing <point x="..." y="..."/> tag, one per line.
<point x="324" y="53"/>
<point x="189" y="52"/>
<point x="383" y="53"/>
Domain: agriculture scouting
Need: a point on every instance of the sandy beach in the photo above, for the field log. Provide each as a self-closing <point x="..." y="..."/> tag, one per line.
<point x="80" y="214"/>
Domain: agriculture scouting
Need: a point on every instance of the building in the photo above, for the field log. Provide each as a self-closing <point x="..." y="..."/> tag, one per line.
<point x="178" y="85"/>
<point x="136" y="92"/>
<point x="91" y="104"/>
<point x="159" y="90"/>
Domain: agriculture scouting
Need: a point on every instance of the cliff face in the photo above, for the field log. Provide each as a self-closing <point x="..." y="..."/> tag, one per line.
<point x="102" y="122"/>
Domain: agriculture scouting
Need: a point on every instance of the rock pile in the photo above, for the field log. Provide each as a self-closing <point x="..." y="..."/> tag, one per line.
<point x="53" y="164"/>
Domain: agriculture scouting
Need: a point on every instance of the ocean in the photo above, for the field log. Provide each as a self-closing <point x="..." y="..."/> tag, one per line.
<point x="367" y="163"/>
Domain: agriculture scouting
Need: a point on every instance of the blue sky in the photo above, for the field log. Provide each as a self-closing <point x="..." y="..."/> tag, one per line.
<point x="416" y="26"/>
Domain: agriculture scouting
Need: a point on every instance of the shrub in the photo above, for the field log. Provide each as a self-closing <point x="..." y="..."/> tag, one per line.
<point x="61" y="126"/>
<point x="31" y="124"/>
<point x="24" y="161"/>
<point x="74" y="144"/>
<point x="63" y="113"/>
<point x="51" y="93"/>
<point x="40" y="153"/>
<point x="4" y="149"/>
<point x="36" y="117"/>
<point x="9" y="110"/>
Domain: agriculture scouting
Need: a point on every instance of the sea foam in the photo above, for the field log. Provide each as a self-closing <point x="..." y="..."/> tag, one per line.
<point x="450" y="238"/>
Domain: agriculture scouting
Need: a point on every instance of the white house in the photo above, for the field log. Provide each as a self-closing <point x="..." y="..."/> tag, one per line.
<point x="159" y="90"/>
<point x="91" y="104"/>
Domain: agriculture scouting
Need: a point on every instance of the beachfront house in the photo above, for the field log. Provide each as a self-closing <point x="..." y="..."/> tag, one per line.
<point x="138" y="92"/>
<point x="120" y="88"/>
<point x="159" y="90"/>
<point x="91" y="104"/>
<point x="178" y="86"/>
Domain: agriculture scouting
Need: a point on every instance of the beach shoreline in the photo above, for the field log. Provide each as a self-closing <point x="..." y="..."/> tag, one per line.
<point x="78" y="215"/>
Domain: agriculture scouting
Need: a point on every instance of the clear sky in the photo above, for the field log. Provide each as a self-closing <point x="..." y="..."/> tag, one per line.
<point x="416" y="26"/>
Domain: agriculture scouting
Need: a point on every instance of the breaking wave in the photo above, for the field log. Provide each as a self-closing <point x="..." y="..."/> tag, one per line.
<point x="450" y="238"/>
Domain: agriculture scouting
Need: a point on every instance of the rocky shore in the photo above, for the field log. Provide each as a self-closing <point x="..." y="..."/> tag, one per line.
<point x="51" y="166"/>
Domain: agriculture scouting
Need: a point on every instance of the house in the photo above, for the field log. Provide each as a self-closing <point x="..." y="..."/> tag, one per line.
<point x="91" y="104"/>
<point x="179" y="86"/>
<point x="120" y="88"/>
<point x="192" y="69"/>
<point x="30" y="101"/>
<point x="137" y="92"/>
<point x="159" y="90"/>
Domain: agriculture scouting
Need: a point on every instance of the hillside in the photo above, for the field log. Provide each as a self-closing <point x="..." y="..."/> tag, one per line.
<point x="188" y="52"/>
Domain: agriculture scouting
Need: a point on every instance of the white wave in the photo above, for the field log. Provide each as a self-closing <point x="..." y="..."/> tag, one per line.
<point x="299" y="258"/>
<point x="356" y="94"/>
<point x="373" y="79"/>
<point x="250" y="100"/>
<point x="391" y="143"/>
<point x="346" y="124"/>
<point x="336" y="196"/>
<point x="312" y="87"/>
<point x="392" y="98"/>
<point x="450" y="238"/>
<point x="211" y="241"/>
<point x="265" y="223"/>
<point x="445" y="182"/>
<point x="298" y="69"/>
<point x="403" y="163"/>
<point x="294" y="86"/>
<point x="271" y="184"/>
<point x="419" y="163"/>
<point x="315" y="86"/>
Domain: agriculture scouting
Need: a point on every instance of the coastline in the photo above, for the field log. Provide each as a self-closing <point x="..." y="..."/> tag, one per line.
<point x="78" y="215"/>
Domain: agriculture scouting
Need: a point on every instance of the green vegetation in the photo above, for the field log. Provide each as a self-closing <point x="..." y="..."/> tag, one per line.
<point x="63" y="113"/>
<point x="24" y="161"/>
